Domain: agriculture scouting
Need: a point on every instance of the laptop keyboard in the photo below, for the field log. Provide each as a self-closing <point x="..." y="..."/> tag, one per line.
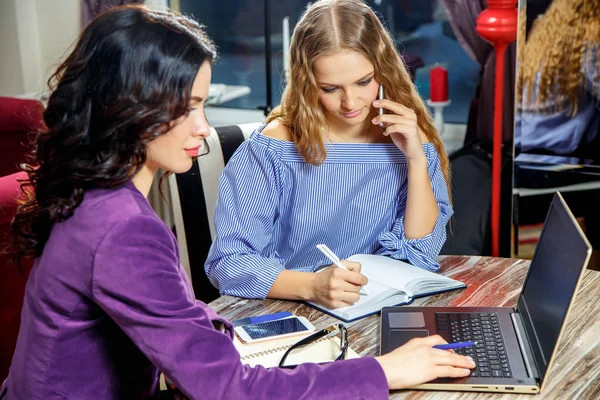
<point x="489" y="353"/>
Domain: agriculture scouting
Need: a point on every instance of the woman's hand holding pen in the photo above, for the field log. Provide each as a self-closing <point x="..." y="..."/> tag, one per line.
<point x="335" y="287"/>
<point x="402" y="126"/>
<point x="418" y="362"/>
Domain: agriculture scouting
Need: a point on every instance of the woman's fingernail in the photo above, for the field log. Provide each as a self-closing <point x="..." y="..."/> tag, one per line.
<point x="374" y="120"/>
<point x="375" y="103"/>
<point x="470" y="359"/>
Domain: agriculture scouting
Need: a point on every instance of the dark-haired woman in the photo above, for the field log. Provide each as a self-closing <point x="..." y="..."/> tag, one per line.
<point x="107" y="304"/>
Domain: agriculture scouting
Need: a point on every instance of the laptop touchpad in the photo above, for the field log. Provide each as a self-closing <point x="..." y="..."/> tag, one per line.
<point x="406" y="320"/>
<point x="398" y="338"/>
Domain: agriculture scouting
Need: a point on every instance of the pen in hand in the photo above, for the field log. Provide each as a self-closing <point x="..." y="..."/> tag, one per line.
<point x="336" y="261"/>
<point x="454" y="346"/>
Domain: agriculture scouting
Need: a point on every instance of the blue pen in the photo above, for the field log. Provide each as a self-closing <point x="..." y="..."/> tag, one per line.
<point x="261" y="318"/>
<point x="453" y="346"/>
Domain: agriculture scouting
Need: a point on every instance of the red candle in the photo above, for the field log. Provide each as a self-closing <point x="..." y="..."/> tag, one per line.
<point x="438" y="84"/>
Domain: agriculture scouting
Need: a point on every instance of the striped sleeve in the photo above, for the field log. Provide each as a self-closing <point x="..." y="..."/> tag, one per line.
<point x="421" y="252"/>
<point x="239" y="262"/>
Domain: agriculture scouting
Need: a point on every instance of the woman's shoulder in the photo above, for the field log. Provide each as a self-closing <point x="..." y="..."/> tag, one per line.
<point x="270" y="143"/>
<point x="125" y="197"/>
<point x="276" y="130"/>
<point x="106" y="208"/>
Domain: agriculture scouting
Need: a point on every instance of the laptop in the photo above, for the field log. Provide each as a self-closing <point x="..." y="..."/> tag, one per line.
<point x="515" y="347"/>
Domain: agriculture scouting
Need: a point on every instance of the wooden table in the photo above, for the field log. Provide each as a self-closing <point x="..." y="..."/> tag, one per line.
<point x="490" y="282"/>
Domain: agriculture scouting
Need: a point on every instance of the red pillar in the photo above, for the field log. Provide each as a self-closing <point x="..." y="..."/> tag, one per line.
<point x="498" y="25"/>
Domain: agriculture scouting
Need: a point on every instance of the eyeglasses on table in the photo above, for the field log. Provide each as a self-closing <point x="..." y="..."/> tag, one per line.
<point x="331" y="331"/>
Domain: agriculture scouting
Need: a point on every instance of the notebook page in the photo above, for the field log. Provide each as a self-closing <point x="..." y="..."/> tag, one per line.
<point x="253" y="348"/>
<point x="399" y="274"/>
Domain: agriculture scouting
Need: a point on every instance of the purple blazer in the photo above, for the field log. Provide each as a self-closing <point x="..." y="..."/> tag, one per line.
<point x="108" y="305"/>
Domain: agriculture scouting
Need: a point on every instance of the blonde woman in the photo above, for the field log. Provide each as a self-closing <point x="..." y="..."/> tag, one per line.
<point x="559" y="82"/>
<point x="323" y="170"/>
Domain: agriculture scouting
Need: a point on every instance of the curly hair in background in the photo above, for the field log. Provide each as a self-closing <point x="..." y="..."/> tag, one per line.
<point x="97" y="130"/>
<point x="329" y="26"/>
<point x="562" y="44"/>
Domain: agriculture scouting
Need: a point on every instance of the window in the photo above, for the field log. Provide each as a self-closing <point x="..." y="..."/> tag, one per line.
<point x="420" y="28"/>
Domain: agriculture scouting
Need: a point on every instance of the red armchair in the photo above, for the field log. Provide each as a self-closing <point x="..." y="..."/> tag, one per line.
<point x="12" y="283"/>
<point x="18" y="119"/>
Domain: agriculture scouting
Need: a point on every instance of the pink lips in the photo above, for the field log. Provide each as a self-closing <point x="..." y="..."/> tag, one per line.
<point x="352" y="114"/>
<point x="193" y="151"/>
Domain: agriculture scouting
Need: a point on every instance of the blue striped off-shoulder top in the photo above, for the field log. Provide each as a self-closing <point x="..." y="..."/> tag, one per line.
<point x="274" y="208"/>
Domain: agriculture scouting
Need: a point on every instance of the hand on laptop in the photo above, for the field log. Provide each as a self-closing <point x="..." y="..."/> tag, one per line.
<point x="336" y="287"/>
<point x="418" y="362"/>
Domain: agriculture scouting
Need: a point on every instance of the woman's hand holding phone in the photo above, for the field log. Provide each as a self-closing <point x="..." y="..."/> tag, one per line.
<point x="401" y="125"/>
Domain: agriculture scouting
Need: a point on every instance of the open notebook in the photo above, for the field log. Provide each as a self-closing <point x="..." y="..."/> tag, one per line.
<point x="391" y="283"/>
<point x="269" y="353"/>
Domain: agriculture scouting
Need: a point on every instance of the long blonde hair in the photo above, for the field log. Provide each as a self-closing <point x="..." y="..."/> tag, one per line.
<point x="327" y="27"/>
<point x="557" y="52"/>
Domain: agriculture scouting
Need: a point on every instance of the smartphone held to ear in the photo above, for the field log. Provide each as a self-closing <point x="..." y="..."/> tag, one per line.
<point x="381" y="96"/>
<point x="281" y="328"/>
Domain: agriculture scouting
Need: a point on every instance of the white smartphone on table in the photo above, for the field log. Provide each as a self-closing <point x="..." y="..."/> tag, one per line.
<point x="278" y="329"/>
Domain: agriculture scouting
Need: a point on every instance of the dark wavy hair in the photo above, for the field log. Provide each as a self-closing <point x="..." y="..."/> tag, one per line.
<point x="127" y="79"/>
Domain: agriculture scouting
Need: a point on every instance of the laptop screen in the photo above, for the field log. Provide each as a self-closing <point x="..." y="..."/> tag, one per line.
<point x="554" y="272"/>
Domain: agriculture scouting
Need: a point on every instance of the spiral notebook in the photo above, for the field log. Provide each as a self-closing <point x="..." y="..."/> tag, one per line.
<point x="268" y="354"/>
